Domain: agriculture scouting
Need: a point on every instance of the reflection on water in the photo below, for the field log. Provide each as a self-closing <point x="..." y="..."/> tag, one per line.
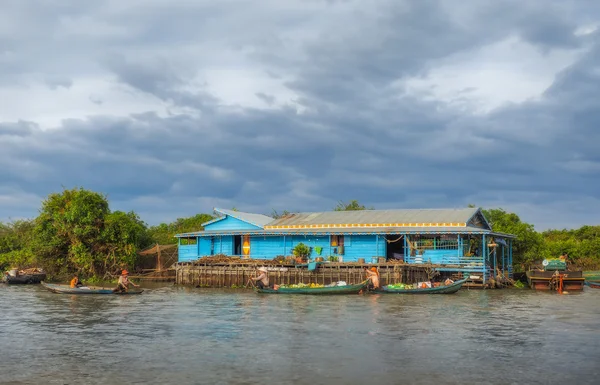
<point x="209" y="336"/>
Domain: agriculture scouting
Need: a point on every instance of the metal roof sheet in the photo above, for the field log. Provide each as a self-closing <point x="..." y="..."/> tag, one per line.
<point x="352" y="231"/>
<point x="377" y="217"/>
<point x="254" y="219"/>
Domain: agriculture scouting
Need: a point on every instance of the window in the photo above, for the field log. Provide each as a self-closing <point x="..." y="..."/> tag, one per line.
<point x="188" y="241"/>
<point x="337" y="240"/>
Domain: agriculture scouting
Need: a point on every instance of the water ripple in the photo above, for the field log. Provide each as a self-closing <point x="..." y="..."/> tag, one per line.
<point x="180" y="335"/>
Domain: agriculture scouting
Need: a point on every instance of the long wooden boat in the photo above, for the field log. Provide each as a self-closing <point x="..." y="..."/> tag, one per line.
<point x="547" y="280"/>
<point x="86" y="290"/>
<point x="591" y="276"/>
<point x="593" y="284"/>
<point x="446" y="289"/>
<point x="23" y="279"/>
<point x="347" y="289"/>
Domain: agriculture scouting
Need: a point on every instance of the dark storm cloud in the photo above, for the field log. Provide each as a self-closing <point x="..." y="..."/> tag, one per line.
<point x="353" y="130"/>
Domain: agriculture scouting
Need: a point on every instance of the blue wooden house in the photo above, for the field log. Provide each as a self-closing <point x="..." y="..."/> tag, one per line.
<point x="455" y="239"/>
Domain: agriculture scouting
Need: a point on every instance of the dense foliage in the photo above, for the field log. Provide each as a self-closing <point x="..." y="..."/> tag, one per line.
<point x="77" y="232"/>
<point x="15" y="239"/>
<point x="582" y="245"/>
<point x="164" y="233"/>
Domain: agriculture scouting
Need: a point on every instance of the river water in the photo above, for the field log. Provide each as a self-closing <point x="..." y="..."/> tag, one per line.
<point x="178" y="335"/>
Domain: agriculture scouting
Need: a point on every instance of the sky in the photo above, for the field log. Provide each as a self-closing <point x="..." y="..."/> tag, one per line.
<point x="174" y="107"/>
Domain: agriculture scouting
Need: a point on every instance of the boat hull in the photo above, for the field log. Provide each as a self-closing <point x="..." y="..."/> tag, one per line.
<point x="593" y="285"/>
<point x="544" y="280"/>
<point x="66" y="289"/>
<point x="25" y="279"/>
<point x="348" y="289"/>
<point x="447" y="289"/>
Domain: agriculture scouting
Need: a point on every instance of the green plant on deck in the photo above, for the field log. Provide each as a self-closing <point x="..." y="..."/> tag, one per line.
<point x="301" y="251"/>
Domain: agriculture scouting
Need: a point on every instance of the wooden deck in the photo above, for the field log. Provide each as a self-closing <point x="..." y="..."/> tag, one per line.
<point x="237" y="275"/>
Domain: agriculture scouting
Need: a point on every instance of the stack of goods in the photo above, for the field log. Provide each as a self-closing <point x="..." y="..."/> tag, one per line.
<point x="224" y="259"/>
<point x="556" y="264"/>
<point x="302" y="286"/>
<point x="338" y="283"/>
<point x="402" y="286"/>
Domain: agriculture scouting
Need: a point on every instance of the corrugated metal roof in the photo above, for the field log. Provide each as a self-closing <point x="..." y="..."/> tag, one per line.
<point x="363" y="217"/>
<point x="352" y="231"/>
<point x="255" y="219"/>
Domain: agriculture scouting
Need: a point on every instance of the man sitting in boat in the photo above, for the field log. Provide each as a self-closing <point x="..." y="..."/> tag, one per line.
<point x="123" y="284"/>
<point x="262" y="279"/>
<point x="373" y="275"/>
<point x="75" y="282"/>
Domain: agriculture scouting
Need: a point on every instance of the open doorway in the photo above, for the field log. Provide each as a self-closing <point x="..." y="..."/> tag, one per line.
<point x="237" y="245"/>
<point x="395" y="247"/>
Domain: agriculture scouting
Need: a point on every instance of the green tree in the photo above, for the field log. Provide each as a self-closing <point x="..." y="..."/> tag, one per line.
<point x="122" y="236"/>
<point x="15" y="240"/>
<point x="353" y="205"/>
<point x="164" y="233"/>
<point x="76" y="232"/>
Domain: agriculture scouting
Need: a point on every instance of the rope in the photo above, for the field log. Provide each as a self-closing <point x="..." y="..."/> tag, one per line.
<point x="399" y="238"/>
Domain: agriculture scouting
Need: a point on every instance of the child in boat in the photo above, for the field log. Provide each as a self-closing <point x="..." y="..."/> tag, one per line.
<point x="75" y="282"/>
<point x="373" y="275"/>
<point x="262" y="279"/>
<point x="123" y="284"/>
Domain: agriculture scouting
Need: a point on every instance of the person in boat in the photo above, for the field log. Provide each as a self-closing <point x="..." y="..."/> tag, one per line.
<point x="262" y="278"/>
<point x="75" y="282"/>
<point x="563" y="257"/>
<point x="373" y="275"/>
<point x="124" y="282"/>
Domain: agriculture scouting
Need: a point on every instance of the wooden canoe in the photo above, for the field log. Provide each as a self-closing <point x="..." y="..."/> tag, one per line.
<point x="24" y="279"/>
<point x="86" y="290"/>
<point x="446" y="289"/>
<point x="348" y="289"/>
<point x="593" y="284"/>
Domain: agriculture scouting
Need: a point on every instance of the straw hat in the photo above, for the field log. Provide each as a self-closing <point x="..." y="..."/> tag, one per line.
<point x="263" y="269"/>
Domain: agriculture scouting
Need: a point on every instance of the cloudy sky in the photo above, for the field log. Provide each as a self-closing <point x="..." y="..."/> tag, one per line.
<point x="173" y="107"/>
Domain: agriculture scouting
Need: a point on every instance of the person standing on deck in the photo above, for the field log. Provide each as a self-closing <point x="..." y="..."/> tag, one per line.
<point x="373" y="275"/>
<point x="262" y="279"/>
<point x="123" y="284"/>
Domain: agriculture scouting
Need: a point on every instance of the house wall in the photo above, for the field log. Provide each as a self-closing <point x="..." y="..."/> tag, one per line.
<point x="355" y="246"/>
<point x="223" y="245"/>
<point x="204" y="246"/>
<point x="230" y="223"/>
<point x="188" y="253"/>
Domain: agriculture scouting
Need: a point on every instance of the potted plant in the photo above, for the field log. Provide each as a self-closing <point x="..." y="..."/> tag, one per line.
<point x="301" y="252"/>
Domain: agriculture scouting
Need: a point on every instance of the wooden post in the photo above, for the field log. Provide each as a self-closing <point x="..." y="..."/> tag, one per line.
<point x="158" y="261"/>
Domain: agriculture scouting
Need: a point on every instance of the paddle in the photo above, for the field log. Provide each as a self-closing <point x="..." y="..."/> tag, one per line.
<point x="250" y="281"/>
